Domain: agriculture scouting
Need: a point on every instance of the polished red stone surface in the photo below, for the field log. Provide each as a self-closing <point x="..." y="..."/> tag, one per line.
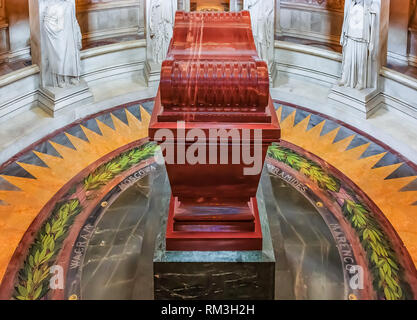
<point x="213" y="79"/>
<point x="212" y="68"/>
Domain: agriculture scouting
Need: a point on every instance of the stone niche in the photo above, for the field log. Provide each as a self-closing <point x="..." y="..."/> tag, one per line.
<point x="312" y="20"/>
<point x="104" y="19"/>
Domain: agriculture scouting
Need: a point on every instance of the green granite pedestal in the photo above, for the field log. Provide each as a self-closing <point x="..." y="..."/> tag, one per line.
<point x="211" y="275"/>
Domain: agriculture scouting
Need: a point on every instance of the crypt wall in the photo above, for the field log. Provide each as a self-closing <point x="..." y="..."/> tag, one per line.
<point x="307" y="64"/>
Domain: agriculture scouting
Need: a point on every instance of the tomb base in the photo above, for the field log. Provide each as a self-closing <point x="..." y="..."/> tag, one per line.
<point x="207" y="275"/>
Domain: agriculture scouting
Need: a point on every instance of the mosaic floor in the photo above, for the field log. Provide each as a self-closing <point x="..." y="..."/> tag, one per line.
<point x="118" y="261"/>
<point x="334" y="198"/>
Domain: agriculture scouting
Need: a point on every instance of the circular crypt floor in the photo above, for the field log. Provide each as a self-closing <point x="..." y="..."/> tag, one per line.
<point x="90" y="198"/>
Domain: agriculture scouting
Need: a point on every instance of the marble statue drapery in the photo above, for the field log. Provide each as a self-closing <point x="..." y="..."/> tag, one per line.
<point x="62" y="36"/>
<point x="360" y="44"/>
<point x="262" y="18"/>
<point x="160" y="25"/>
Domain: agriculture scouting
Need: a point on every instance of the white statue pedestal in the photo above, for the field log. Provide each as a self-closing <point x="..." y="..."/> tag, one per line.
<point x="152" y="72"/>
<point x="55" y="99"/>
<point x="366" y="101"/>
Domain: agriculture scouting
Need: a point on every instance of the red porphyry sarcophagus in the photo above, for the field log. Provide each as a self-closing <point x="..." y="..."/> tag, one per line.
<point x="213" y="80"/>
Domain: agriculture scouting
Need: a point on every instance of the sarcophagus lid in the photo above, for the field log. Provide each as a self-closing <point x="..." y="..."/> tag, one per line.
<point x="212" y="71"/>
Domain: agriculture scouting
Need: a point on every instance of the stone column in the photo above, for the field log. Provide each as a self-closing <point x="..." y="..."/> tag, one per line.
<point x="51" y="99"/>
<point x="398" y="31"/>
<point x="368" y="100"/>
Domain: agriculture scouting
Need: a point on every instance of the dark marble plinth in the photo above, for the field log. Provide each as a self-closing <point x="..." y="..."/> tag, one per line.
<point x="184" y="275"/>
<point x="214" y="280"/>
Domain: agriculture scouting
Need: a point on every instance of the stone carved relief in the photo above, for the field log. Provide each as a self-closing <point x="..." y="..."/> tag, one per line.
<point x="62" y="39"/>
<point x="263" y="17"/>
<point x="161" y="18"/>
<point x="360" y="44"/>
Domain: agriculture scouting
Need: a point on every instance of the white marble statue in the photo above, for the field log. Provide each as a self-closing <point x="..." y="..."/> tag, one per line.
<point x="360" y="44"/>
<point x="160" y="27"/>
<point x="262" y="18"/>
<point x="62" y="38"/>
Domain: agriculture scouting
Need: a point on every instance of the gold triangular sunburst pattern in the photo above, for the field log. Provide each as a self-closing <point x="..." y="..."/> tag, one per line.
<point x="396" y="205"/>
<point x="22" y="206"/>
